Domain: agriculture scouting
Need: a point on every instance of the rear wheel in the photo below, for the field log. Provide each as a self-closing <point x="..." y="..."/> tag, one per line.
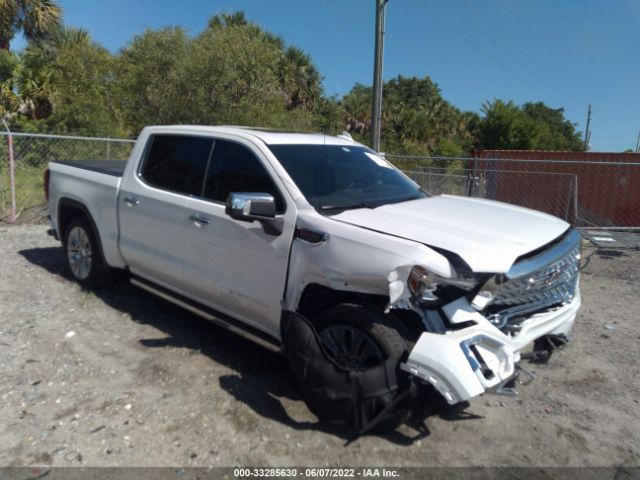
<point x="83" y="257"/>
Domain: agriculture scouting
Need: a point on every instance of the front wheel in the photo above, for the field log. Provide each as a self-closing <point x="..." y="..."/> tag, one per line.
<point x="358" y="338"/>
<point x="364" y="344"/>
<point x="83" y="257"/>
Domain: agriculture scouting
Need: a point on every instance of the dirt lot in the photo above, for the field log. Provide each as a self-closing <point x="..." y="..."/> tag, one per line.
<point x="121" y="378"/>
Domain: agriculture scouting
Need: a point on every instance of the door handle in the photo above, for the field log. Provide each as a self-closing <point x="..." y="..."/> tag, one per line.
<point x="131" y="201"/>
<point x="198" y="221"/>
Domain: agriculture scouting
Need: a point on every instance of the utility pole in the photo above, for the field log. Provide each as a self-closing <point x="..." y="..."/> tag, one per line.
<point x="376" y="110"/>
<point x="638" y="143"/>
<point x="587" y="133"/>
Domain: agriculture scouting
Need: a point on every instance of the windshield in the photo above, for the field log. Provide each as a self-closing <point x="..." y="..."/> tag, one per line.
<point x="335" y="178"/>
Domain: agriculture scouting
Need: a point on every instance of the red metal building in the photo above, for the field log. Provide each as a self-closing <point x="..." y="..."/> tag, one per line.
<point x="585" y="188"/>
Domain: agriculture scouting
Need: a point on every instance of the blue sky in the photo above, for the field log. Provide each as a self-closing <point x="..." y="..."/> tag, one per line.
<point x="567" y="53"/>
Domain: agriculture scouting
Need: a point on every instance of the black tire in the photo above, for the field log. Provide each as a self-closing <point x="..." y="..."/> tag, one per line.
<point x="383" y="331"/>
<point x="84" y="261"/>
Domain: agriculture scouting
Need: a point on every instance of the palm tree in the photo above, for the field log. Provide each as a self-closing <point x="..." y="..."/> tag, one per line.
<point x="300" y="79"/>
<point x="35" y="18"/>
<point x="9" y="65"/>
<point x="223" y="20"/>
<point x="24" y="84"/>
<point x="357" y="107"/>
<point x="25" y="77"/>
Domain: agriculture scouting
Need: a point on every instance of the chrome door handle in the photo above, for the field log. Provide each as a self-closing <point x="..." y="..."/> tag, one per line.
<point x="198" y="221"/>
<point x="131" y="201"/>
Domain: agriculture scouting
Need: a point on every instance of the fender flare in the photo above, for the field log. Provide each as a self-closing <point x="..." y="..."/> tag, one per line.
<point x="69" y="202"/>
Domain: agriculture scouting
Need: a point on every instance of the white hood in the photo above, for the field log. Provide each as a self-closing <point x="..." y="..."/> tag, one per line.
<point x="488" y="235"/>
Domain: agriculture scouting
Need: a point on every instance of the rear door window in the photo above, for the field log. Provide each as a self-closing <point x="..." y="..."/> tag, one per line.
<point x="177" y="163"/>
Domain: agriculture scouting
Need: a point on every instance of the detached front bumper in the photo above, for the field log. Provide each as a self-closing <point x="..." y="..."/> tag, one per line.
<point x="465" y="363"/>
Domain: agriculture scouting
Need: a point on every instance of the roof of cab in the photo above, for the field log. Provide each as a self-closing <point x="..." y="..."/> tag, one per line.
<point x="270" y="137"/>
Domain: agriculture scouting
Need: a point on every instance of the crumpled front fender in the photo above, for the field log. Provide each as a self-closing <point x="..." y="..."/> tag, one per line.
<point x="464" y="363"/>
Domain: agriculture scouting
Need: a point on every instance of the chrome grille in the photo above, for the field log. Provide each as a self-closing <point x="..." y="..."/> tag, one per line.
<point x="537" y="285"/>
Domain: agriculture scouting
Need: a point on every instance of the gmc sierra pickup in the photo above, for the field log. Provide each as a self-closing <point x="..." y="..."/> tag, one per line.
<point x="317" y="247"/>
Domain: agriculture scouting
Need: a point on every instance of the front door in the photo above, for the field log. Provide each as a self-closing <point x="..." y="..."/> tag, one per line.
<point x="234" y="266"/>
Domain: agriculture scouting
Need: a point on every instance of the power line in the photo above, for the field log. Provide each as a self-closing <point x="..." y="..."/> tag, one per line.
<point x="503" y="39"/>
<point x="513" y="58"/>
<point x="517" y="59"/>
<point x="518" y="53"/>
<point x="596" y="116"/>
<point x="497" y="60"/>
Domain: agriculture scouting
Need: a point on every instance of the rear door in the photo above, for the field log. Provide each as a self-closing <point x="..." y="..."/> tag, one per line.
<point x="153" y="209"/>
<point x="234" y="266"/>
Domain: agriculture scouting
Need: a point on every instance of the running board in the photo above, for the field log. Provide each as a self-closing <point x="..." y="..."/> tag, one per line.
<point x="207" y="313"/>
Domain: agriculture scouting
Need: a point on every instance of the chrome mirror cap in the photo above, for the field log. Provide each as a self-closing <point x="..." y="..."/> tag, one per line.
<point x="251" y="206"/>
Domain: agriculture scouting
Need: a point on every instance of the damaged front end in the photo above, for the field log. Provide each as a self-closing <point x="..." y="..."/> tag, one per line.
<point x="477" y="326"/>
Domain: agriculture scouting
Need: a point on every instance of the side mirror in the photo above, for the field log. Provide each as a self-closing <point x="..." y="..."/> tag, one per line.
<point x="249" y="207"/>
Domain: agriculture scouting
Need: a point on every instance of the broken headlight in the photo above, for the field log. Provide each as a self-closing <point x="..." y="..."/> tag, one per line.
<point x="428" y="288"/>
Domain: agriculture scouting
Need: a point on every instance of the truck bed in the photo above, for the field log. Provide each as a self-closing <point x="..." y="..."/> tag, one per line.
<point x="109" y="167"/>
<point x="94" y="184"/>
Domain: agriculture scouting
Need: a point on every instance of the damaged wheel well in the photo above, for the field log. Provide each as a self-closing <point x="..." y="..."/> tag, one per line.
<point x="316" y="298"/>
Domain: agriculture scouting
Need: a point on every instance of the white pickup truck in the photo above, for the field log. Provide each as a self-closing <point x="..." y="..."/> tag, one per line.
<point x="319" y="248"/>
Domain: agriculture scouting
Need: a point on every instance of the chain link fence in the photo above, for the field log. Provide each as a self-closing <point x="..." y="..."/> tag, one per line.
<point x="595" y="194"/>
<point x="32" y="153"/>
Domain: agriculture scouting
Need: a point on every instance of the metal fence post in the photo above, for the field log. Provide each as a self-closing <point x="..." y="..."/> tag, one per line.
<point x="474" y="177"/>
<point x="575" y="200"/>
<point x="12" y="172"/>
<point x="12" y="176"/>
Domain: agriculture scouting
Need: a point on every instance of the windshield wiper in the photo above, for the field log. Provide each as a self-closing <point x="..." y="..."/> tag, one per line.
<point x="351" y="206"/>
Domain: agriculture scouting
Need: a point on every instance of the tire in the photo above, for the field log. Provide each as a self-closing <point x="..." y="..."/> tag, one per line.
<point x="386" y="345"/>
<point x="357" y="319"/>
<point x="84" y="261"/>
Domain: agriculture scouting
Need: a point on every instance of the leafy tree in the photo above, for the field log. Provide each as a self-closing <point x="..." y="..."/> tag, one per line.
<point x="300" y="80"/>
<point x="150" y="87"/>
<point x="64" y="84"/>
<point x="416" y="118"/>
<point x="357" y="108"/>
<point x="9" y="65"/>
<point x="469" y="130"/>
<point x="329" y="116"/>
<point x="504" y="126"/>
<point x="232" y="73"/>
<point x="234" y="19"/>
<point x="534" y="126"/>
<point x="24" y="85"/>
<point x="233" y="76"/>
<point x="35" y="18"/>
<point x="82" y="86"/>
<point x="557" y="133"/>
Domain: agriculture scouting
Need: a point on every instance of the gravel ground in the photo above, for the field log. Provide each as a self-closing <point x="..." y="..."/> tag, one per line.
<point x="120" y="378"/>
